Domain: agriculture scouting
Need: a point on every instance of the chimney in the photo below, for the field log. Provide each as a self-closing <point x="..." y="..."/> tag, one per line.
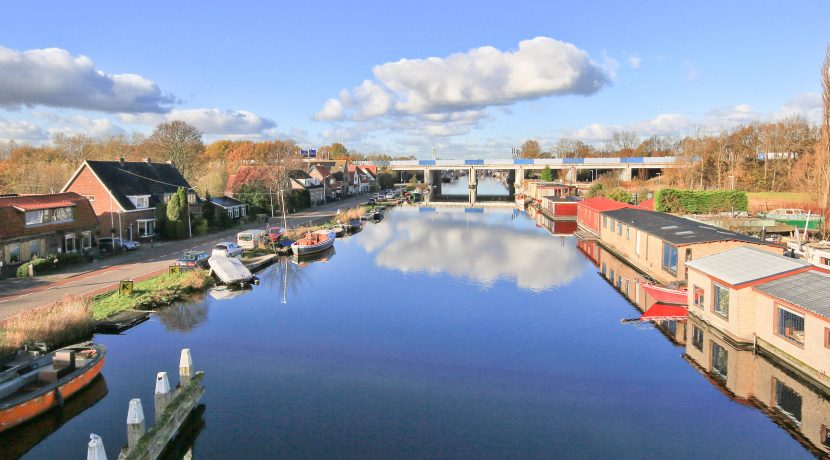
<point x="121" y="161"/>
<point x="147" y="160"/>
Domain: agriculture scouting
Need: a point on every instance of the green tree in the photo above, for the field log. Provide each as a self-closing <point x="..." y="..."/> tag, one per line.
<point x="209" y="210"/>
<point x="386" y="180"/>
<point x="546" y="175"/>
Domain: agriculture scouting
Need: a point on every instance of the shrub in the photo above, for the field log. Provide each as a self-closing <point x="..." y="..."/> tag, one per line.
<point x="619" y="194"/>
<point x="68" y="259"/>
<point x="39" y="264"/>
<point x="700" y="201"/>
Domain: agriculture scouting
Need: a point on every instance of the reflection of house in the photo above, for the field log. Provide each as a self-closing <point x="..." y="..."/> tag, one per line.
<point x="233" y="207"/>
<point x="300" y="180"/>
<point x="773" y="302"/>
<point x="124" y="194"/>
<point x="752" y="379"/>
<point x="660" y="244"/>
<point x="44" y="224"/>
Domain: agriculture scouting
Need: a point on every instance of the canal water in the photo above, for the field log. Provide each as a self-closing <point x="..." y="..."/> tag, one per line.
<point x="436" y="333"/>
<point x="487" y="186"/>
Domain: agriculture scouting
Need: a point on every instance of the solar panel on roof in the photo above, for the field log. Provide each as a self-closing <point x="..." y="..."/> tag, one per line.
<point x="685" y="232"/>
<point x="668" y="227"/>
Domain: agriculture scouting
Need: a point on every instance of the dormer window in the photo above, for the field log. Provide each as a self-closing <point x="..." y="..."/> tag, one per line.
<point x="140" y="201"/>
<point x="49" y="216"/>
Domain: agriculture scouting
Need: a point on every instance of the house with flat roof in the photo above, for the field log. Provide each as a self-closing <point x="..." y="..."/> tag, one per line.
<point x="124" y="194"/>
<point x="235" y="209"/>
<point x="559" y="207"/>
<point x="660" y="244"/>
<point x="38" y="225"/>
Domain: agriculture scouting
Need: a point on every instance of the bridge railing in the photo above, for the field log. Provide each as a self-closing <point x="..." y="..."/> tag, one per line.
<point x="611" y="161"/>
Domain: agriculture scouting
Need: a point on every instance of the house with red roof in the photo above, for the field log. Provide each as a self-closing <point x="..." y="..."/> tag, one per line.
<point x="589" y="212"/>
<point x="33" y="225"/>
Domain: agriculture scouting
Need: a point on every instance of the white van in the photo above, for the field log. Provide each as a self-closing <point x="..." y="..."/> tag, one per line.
<point x="250" y="239"/>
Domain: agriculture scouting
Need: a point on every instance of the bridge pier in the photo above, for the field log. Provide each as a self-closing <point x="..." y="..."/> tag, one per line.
<point x="570" y="176"/>
<point x="473" y="186"/>
<point x="625" y="174"/>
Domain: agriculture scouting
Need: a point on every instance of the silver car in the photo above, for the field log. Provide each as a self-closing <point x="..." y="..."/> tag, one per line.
<point x="227" y="249"/>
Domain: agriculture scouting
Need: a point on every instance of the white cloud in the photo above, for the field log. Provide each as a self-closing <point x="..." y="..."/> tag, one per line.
<point x="807" y="106"/>
<point x="20" y="130"/>
<point x="634" y="61"/>
<point x="449" y="96"/>
<point x="210" y="121"/>
<point x="55" y="78"/>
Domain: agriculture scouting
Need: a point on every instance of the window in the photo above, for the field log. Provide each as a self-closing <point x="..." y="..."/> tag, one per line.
<point x="790" y="326"/>
<point x="619" y="281"/>
<point x="619" y="228"/>
<point x="69" y="242"/>
<point x="603" y="269"/>
<point x="236" y="212"/>
<point x="167" y="197"/>
<point x="625" y="287"/>
<point x="244" y="211"/>
<point x="13" y="250"/>
<point x="720" y="302"/>
<point x="45" y="216"/>
<point x="146" y="227"/>
<point x="637" y="246"/>
<point x="826" y="337"/>
<point x="86" y="240"/>
<point x="670" y="258"/>
<point x="89" y="197"/>
<point x="627" y="232"/>
<point x="787" y="401"/>
<point x="688" y="254"/>
<point x="230" y="213"/>
<point x="604" y="222"/>
<point x="720" y="359"/>
<point x="191" y="198"/>
<point x="35" y="248"/>
<point x="697" y="338"/>
<point x="699" y="297"/>
<point x="611" y="275"/>
<point x="140" y="201"/>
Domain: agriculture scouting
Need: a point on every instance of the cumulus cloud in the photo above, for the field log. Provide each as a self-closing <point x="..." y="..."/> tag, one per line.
<point x="54" y="77"/>
<point x="807" y="106"/>
<point x="419" y="90"/>
<point x="210" y="121"/>
<point x="20" y="130"/>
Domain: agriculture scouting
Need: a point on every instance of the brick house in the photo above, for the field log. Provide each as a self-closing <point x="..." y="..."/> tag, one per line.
<point x="124" y="194"/>
<point x="44" y="224"/>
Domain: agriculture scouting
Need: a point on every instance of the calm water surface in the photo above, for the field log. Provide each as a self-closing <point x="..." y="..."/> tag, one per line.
<point x="444" y="334"/>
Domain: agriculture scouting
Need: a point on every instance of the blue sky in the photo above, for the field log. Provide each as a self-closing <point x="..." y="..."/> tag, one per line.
<point x="580" y="70"/>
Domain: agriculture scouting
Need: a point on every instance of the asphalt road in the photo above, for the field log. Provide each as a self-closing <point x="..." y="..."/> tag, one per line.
<point x="17" y="295"/>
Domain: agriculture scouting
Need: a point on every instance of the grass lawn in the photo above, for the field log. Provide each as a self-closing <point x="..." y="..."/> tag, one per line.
<point x="778" y="196"/>
<point x="153" y="292"/>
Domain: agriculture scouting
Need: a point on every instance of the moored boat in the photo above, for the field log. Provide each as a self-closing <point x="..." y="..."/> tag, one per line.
<point x="798" y="218"/>
<point x="312" y="242"/>
<point x="666" y="295"/>
<point x="230" y="270"/>
<point x="354" y="225"/>
<point x="32" y="386"/>
<point x="338" y="230"/>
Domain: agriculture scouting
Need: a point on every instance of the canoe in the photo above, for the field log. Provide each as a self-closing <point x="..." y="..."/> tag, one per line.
<point x="30" y="387"/>
<point x="666" y="295"/>
<point x="312" y="242"/>
<point x="230" y="270"/>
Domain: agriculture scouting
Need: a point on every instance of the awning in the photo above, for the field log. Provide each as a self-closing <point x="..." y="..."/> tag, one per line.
<point x="663" y="312"/>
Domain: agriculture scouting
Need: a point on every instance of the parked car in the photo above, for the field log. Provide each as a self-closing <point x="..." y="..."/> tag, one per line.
<point x="250" y="239"/>
<point x="194" y="259"/>
<point x="227" y="249"/>
<point x="108" y="244"/>
<point x="390" y="196"/>
<point x="274" y="233"/>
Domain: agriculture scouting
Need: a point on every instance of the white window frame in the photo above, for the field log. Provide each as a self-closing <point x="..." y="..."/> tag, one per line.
<point x="147" y="228"/>
<point x="67" y="237"/>
<point x="86" y="240"/>
<point x="140" y="201"/>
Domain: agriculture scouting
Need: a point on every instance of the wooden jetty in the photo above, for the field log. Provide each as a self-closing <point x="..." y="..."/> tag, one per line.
<point x="172" y="409"/>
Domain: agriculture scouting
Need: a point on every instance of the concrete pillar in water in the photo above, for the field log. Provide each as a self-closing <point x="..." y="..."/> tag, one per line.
<point x="625" y="174"/>
<point x="95" y="448"/>
<point x="135" y="423"/>
<point x="185" y="367"/>
<point x="571" y="176"/>
<point x="162" y="394"/>
<point x="473" y="186"/>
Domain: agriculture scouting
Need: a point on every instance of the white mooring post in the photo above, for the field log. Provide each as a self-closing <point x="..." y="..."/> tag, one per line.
<point x="162" y="395"/>
<point x="185" y="367"/>
<point x="135" y="423"/>
<point x="95" y="448"/>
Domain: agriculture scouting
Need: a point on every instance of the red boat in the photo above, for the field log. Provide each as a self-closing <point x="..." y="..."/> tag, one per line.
<point x="32" y="386"/>
<point x="666" y="295"/>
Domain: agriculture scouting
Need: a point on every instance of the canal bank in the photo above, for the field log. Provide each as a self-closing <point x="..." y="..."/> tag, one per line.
<point x="430" y="335"/>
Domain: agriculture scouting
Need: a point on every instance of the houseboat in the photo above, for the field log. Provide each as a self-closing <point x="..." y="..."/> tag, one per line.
<point x="817" y="254"/>
<point x="30" y="386"/>
<point x="798" y="218"/>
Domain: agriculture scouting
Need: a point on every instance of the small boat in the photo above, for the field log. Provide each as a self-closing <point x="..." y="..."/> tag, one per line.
<point x="230" y="270"/>
<point x="338" y="230"/>
<point x="121" y="321"/>
<point x="30" y="386"/>
<point x="354" y="225"/>
<point x="798" y="218"/>
<point x="312" y="242"/>
<point x="666" y="295"/>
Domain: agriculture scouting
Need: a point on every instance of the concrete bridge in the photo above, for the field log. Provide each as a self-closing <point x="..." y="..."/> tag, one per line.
<point x="518" y="167"/>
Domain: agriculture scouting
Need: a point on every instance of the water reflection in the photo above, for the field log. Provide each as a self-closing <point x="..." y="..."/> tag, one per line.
<point x="483" y="247"/>
<point x="185" y="316"/>
<point x="182" y="446"/>
<point x="19" y="440"/>
<point x="749" y="378"/>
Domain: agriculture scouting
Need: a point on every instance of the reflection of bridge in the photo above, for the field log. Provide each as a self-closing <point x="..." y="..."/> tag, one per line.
<point x="517" y="167"/>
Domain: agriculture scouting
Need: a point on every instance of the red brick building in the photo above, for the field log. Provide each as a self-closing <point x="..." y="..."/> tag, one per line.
<point x="124" y="194"/>
<point x="44" y="224"/>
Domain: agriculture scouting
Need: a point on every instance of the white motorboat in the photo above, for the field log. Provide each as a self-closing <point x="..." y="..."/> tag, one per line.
<point x="312" y="242"/>
<point x="230" y="270"/>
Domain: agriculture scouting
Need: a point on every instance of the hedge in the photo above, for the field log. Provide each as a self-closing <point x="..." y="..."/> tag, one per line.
<point x="700" y="201"/>
<point x="39" y="263"/>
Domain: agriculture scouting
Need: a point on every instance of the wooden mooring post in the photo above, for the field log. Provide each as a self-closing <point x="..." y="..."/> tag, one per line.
<point x="172" y="408"/>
